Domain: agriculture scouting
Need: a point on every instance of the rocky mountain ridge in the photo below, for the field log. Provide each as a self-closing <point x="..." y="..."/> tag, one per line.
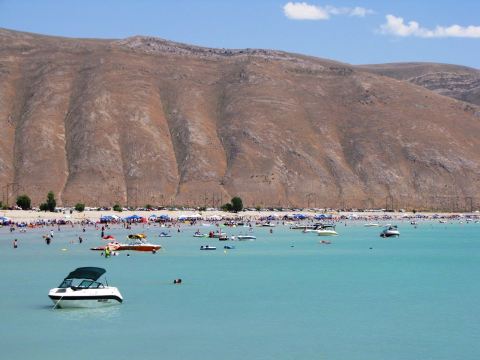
<point x="144" y="120"/>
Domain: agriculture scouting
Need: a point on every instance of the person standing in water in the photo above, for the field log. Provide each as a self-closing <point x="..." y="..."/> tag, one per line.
<point x="15" y="245"/>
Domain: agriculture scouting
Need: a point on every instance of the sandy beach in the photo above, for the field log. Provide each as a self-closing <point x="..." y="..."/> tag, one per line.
<point x="29" y="216"/>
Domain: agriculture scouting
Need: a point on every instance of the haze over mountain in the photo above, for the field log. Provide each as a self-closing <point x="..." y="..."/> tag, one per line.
<point x="144" y="120"/>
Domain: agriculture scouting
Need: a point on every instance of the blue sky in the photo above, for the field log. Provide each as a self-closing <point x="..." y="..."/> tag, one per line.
<point x="356" y="32"/>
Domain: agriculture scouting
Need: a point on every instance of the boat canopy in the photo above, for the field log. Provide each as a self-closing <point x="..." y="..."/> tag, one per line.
<point x="91" y="273"/>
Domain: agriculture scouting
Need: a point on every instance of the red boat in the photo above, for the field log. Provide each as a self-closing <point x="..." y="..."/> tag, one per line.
<point x="135" y="245"/>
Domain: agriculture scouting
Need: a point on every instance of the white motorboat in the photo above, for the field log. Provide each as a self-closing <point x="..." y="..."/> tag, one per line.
<point x="390" y="231"/>
<point x="326" y="232"/>
<point x="371" y="225"/>
<point x="208" y="247"/>
<point x="246" y="237"/>
<point x="80" y="289"/>
<point x="200" y="235"/>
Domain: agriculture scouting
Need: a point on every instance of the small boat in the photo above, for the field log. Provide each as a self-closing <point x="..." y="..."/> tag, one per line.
<point x="217" y="235"/>
<point x="200" y="235"/>
<point x="390" y="231"/>
<point x="229" y="247"/>
<point x="80" y="289"/>
<point x="413" y="223"/>
<point x="139" y="245"/>
<point x="137" y="236"/>
<point x="165" y="234"/>
<point x="326" y="242"/>
<point x="442" y="221"/>
<point x="326" y="232"/>
<point x="302" y="227"/>
<point x="268" y="224"/>
<point x="223" y="237"/>
<point x="208" y="247"/>
<point x="112" y="246"/>
<point x="246" y="237"/>
<point x="371" y="225"/>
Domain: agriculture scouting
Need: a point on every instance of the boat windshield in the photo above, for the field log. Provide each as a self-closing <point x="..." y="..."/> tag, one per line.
<point x="84" y="284"/>
<point x="90" y="284"/>
<point x="66" y="284"/>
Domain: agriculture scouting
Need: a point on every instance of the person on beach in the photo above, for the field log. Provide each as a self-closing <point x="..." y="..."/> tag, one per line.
<point x="15" y="245"/>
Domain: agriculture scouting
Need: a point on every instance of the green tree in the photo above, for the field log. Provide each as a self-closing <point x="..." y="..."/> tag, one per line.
<point x="237" y="204"/>
<point x="43" y="207"/>
<point x="79" y="207"/>
<point x="226" y="207"/>
<point x="51" y="202"/>
<point x="24" y="202"/>
<point x="117" y="207"/>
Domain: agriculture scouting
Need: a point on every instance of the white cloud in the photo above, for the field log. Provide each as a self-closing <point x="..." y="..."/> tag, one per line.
<point x="305" y="11"/>
<point x="396" y="26"/>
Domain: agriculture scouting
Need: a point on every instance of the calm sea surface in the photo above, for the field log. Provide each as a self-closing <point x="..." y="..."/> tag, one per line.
<point x="283" y="296"/>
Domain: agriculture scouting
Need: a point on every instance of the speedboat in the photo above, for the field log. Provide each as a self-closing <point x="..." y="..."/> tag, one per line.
<point x="371" y="225"/>
<point x="229" y="247"/>
<point x="200" y="235"/>
<point x="246" y="237"/>
<point x="208" y="247"/>
<point x="139" y="244"/>
<point x="326" y="232"/>
<point x="390" y="231"/>
<point x="80" y="289"/>
<point x="137" y="236"/>
<point x="217" y="235"/>
<point x="165" y="234"/>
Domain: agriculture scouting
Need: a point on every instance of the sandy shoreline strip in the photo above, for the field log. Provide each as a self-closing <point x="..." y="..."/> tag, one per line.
<point x="31" y="216"/>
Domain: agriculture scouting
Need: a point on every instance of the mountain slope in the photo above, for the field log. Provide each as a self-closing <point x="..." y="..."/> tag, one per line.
<point x="144" y="120"/>
<point x="458" y="82"/>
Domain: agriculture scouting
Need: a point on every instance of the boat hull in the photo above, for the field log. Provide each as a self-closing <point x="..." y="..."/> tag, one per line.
<point x="70" y="303"/>
<point x="85" y="298"/>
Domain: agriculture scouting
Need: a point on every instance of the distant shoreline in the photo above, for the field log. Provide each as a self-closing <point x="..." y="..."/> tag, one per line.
<point x="31" y="216"/>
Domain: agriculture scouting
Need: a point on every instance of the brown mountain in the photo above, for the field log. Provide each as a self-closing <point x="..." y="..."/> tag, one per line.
<point x="459" y="82"/>
<point x="143" y="120"/>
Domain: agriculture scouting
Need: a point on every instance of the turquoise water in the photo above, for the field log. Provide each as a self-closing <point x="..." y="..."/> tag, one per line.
<point x="414" y="297"/>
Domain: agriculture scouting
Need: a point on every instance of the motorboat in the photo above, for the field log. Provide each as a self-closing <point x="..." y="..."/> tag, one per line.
<point x="112" y="246"/>
<point x="200" y="235"/>
<point x="165" y="234"/>
<point x="135" y="244"/>
<point x="137" y="236"/>
<point x="217" y="234"/>
<point x="139" y="244"/>
<point x="246" y="237"/>
<point x="208" y="247"/>
<point x="268" y="224"/>
<point x="371" y="225"/>
<point x="303" y="227"/>
<point x="326" y="232"/>
<point x="229" y="247"/>
<point x="81" y="289"/>
<point x="223" y="237"/>
<point x="390" y="231"/>
<point x="325" y="242"/>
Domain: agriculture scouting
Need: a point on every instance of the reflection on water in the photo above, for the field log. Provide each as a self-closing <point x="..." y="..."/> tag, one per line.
<point x="104" y="313"/>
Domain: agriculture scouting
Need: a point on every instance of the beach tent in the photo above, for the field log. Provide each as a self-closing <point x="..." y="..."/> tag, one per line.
<point x="108" y="218"/>
<point x="322" y="216"/>
<point x="134" y="218"/>
<point x="189" y="217"/>
<point x="299" y="216"/>
<point x="4" y="220"/>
